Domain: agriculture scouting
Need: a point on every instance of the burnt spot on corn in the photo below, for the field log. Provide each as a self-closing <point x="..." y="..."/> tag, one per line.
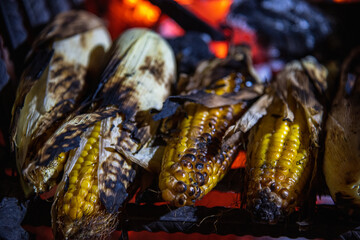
<point x="115" y="178"/>
<point x="74" y="21"/>
<point x="180" y="187"/>
<point x="124" y="96"/>
<point x="155" y="67"/>
<point x="194" y="157"/>
<point x="264" y="209"/>
<point x="107" y="74"/>
<point x="67" y="80"/>
<point x="190" y="156"/>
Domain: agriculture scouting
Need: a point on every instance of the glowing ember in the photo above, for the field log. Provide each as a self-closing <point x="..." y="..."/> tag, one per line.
<point x="239" y="161"/>
<point x="346" y="1"/>
<point x="123" y="14"/>
<point x="220" y="199"/>
<point x="219" y="48"/>
<point x="212" y="11"/>
<point x="169" y="28"/>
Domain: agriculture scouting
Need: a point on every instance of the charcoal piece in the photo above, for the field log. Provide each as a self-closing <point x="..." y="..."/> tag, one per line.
<point x="58" y="6"/>
<point x="11" y="216"/>
<point x="187" y="20"/>
<point x="292" y="26"/>
<point x="4" y="77"/>
<point x="37" y="12"/>
<point x="78" y="3"/>
<point x="189" y="50"/>
<point x="12" y="19"/>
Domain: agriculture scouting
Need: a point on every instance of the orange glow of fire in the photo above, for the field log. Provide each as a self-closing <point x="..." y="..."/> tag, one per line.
<point x="220" y="199"/>
<point x="212" y="11"/>
<point x="123" y="14"/>
<point x="346" y="1"/>
<point x="169" y="28"/>
<point x="219" y="48"/>
<point x="239" y="161"/>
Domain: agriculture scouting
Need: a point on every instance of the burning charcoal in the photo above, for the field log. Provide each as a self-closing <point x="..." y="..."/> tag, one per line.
<point x="190" y="50"/>
<point x="12" y="19"/>
<point x="292" y="26"/>
<point x="11" y="216"/>
<point x="37" y="12"/>
<point x="78" y="3"/>
<point x="58" y="6"/>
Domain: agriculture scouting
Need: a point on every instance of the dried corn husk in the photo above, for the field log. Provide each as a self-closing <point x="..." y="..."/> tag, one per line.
<point x="52" y="86"/>
<point x="137" y="79"/>
<point x="342" y="143"/>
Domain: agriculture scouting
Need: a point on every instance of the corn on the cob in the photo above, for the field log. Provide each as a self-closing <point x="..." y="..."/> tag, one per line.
<point x="342" y="144"/>
<point x="98" y="177"/>
<point x="193" y="160"/>
<point x="52" y="87"/>
<point x="281" y="152"/>
<point x="278" y="163"/>
<point x="79" y="202"/>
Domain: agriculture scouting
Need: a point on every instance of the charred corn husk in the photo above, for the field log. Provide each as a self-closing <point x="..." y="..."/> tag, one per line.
<point x="99" y="175"/>
<point x="342" y="143"/>
<point x="52" y="86"/>
<point x="282" y="146"/>
<point x="193" y="161"/>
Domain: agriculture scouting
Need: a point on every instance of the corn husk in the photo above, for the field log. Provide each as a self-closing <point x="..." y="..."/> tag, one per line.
<point x="342" y="143"/>
<point x="137" y="79"/>
<point x="54" y="83"/>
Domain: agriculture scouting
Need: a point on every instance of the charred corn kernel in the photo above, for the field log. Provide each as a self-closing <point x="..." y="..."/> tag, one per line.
<point x="78" y="200"/>
<point x="46" y="177"/>
<point x="193" y="162"/>
<point x="277" y="165"/>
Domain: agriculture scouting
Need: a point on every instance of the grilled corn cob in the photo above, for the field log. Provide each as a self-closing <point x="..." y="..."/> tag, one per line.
<point x="52" y="86"/>
<point x="282" y="146"/>
<point x="193" y="161"/>
<point x="99" y="177"/>
<point x="342" y="143"/>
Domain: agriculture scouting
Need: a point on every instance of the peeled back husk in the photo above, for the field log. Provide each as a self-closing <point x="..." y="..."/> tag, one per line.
<point x="138" y="78"/>
<point x="342" y="143"/>
<point x="52" y="86"/>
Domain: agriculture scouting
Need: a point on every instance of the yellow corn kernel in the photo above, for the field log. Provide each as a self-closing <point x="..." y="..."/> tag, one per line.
<point x="80" y="199"/>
